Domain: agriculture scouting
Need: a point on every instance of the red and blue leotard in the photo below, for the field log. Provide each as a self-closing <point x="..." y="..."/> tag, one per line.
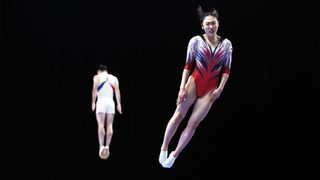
<point x="208" y="63"/>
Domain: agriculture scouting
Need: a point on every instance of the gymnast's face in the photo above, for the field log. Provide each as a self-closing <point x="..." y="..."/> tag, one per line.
<point x="210" y="25"/>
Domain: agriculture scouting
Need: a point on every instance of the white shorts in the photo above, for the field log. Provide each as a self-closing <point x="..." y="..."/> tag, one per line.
<point x="105" y="106"/>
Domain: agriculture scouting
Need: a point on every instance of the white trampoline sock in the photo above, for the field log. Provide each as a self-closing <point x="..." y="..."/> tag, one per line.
<point x="163" y="156"/>
<point x="169" y="162"/>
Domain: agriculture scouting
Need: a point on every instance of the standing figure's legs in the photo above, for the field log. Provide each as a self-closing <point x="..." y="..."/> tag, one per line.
<point x="101" y="133"/>
<point x="200" y="110"/>
<point x="176" y="119"/>
<point x="109" y="133"/>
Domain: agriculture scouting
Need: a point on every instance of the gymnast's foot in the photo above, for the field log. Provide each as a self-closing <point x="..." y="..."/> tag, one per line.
<point x="104" y="152"/>
<point x="163" y="156"/>
<point x="169" y="162"/>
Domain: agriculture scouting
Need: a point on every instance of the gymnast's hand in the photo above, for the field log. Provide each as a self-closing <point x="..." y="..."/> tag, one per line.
<point x="93" y="106"/>
<point x="215" y="94"/>
<point x="182" y="96"/>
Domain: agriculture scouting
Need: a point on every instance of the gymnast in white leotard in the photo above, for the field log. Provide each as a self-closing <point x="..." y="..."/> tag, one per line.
<point x="104" y="87"/>
<point x="105" y="90"/>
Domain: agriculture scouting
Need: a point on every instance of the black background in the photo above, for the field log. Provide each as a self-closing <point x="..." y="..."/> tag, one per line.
<point x="263" y="126"/>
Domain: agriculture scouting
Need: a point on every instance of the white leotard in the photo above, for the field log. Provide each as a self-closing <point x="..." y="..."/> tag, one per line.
<point x="105" y="94"/>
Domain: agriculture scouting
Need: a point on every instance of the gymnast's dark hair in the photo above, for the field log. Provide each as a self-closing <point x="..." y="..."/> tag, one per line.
<point x="102" y="68"/>
<point x="204" y="13"/>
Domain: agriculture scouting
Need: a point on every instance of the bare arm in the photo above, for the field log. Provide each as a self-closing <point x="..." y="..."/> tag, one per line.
<point x="118" y="96"/>
<point x="182" y="93"/>
<point x="216" y="93"/>
<point x="184" y="78"/>
<point x="94" y="93"/>
<point x="223" y="81"/>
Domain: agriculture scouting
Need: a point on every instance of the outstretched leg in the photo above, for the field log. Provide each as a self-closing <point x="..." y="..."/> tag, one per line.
<point x="109" y="128"/>
<point x="170" y="131"/>
<point x="176" y="119"/>
<point x="171" y="128"/>
<point x="200" y="110"/>
<point x="101" y="124"/>
<point x="101" y="132"/>
<point x="109" y="133"/>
